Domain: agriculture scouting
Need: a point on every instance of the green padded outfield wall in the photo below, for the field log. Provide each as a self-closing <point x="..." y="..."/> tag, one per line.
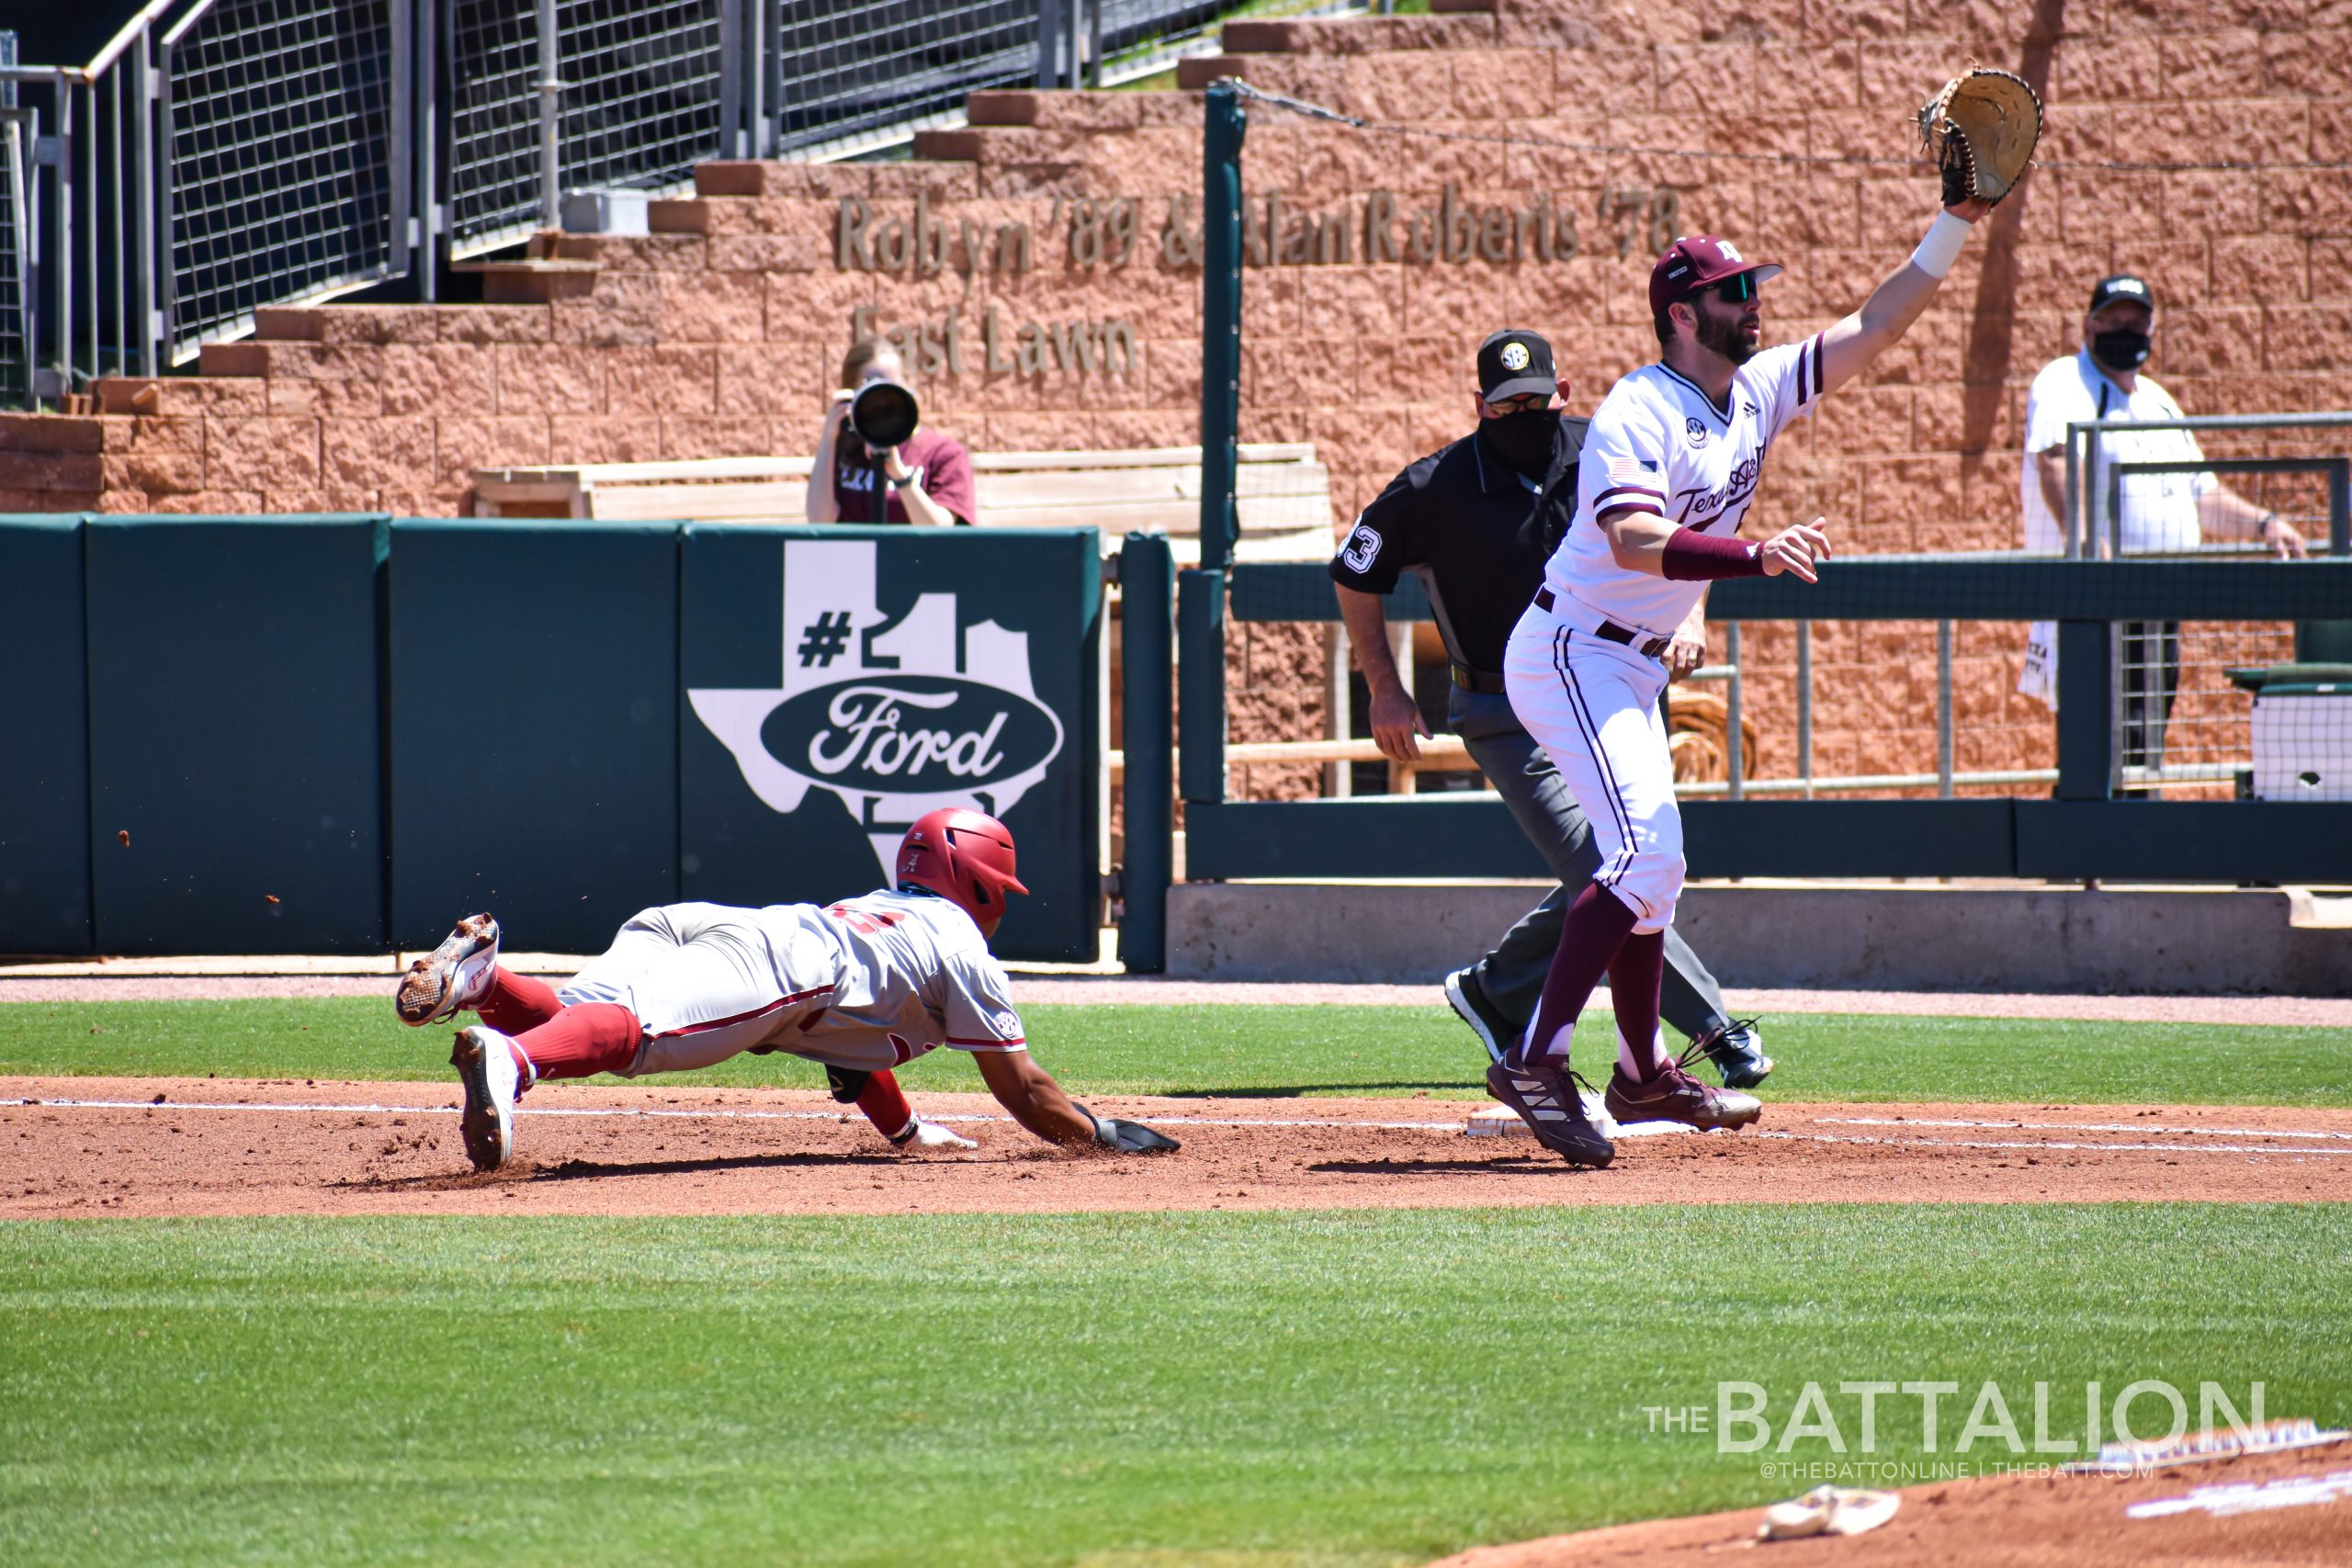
<point x="44" y="738"/>
<point x="535" y="706"/>
<point x="235" y="734"/>
<point x="841" y="681"/>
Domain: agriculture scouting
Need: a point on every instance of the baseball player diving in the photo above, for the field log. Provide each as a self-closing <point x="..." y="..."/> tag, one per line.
<point x="861" y="986"/>
<point x="1668" y="469"/>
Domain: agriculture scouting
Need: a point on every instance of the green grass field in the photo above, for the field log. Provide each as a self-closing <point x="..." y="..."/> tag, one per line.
<point x="1245" y="1389"/>
<point x="1272" y="1390"/>
<point x="1279" y="1051"/>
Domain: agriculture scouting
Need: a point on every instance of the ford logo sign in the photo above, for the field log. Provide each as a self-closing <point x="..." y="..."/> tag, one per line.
<point x="911" y="735"/>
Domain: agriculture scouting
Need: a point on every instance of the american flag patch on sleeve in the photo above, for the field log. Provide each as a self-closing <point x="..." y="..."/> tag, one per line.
<point x="1631" y="471"/>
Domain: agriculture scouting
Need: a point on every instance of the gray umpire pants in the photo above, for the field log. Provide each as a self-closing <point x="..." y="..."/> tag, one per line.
<point x="1512" y="975"/>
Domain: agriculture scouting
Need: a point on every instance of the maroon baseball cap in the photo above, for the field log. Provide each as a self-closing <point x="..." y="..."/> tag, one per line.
<point x="1700" y="261"/>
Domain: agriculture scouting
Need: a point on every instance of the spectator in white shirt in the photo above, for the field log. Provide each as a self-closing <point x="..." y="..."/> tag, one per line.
<point x="2158" y="512"/>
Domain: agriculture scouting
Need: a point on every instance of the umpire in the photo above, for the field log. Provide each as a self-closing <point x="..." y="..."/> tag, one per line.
<point x="1463" y="520"/>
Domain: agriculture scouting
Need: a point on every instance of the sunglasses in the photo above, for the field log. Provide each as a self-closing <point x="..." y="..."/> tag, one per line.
<point x="1737" y="289"/>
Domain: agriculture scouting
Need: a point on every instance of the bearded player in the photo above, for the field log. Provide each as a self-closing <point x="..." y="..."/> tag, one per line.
<point x="1669" y="468"/>
<point x="860" y="986"/>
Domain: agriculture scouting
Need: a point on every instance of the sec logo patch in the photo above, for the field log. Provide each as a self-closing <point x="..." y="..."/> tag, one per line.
<point x="1696" y="431"/>
<point x="1514" y="356"/>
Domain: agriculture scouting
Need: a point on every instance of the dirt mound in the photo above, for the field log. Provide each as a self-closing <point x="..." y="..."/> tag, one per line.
<point x="2255" y="1508"/>
<point x="80" y="1147"/>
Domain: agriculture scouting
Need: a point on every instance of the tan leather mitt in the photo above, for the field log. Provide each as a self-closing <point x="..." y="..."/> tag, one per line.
<point x="1982" y="129"/>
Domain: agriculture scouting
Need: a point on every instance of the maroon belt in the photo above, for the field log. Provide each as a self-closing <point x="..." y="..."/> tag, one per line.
<point x="1610" y="631"/>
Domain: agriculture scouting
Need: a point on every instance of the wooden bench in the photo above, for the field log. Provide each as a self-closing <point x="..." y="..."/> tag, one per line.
<point x="1284" y="494"/>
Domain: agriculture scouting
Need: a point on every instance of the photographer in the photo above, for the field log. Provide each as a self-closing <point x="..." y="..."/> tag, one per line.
<point x="925" y="478"/>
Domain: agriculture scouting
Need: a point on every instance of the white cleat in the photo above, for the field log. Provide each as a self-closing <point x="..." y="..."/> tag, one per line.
<point x="485" y="1062"/>
<point x="452" y="977"/>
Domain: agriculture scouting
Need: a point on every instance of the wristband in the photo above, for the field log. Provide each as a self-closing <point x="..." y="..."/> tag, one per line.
<point x="902" y="484"/>
<point x="1692" y="556"/>
<point x="1941" y="248"/>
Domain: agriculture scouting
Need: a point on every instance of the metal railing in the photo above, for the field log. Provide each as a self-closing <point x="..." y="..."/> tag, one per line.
<point x="611" y="95"/>
<point x="277" y="122"/>
<point x="217" y="156"/>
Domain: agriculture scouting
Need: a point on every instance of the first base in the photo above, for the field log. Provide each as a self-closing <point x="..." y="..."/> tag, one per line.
<point x="1502" y="1122"/>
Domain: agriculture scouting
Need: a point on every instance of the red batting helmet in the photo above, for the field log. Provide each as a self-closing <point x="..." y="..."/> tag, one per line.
<point x="965" y="857"/>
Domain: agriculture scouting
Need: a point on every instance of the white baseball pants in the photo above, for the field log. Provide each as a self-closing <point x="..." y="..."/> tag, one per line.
<point x="705" y="984"/>
<point x="1593" y="707"/>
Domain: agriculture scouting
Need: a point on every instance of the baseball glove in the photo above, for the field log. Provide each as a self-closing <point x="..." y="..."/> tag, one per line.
<point x="1982" y="129"/>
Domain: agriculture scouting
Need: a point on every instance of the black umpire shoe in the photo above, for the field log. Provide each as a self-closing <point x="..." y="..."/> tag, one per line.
<point x="1469" y="999"/>
<point x="1738" y="1051"/>
<point x="1547" y="1098"/>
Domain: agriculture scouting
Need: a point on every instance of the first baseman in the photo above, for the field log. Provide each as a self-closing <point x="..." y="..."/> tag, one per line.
<point x="1466" y="520"/>
<point x="1669" y="467"/>
<point x="863" y="986"/>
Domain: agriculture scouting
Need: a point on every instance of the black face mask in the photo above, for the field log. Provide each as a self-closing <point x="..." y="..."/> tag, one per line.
<point x="1524" y="439"/>
<point x="2125" y="348"/>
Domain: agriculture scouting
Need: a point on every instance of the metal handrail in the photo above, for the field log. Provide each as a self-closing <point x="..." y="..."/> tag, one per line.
<point x="179" y="28"/>
<point x="2082" y="450"/>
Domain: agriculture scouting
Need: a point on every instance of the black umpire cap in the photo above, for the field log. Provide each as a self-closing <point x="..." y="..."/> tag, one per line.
<point x="1512" y="364"/>
<point x="2122" y="286"/>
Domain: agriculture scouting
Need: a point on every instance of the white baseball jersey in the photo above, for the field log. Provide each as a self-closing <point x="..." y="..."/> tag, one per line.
<point x="2160" y="511"/>
<point x="1659" y="443"/>
<point x="868" y="983"/>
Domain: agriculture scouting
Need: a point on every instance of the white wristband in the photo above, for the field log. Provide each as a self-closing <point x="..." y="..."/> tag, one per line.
<point x="1941" y="247"/>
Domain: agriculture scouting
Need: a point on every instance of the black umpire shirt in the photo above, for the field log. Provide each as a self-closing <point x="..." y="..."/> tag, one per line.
<point x="1469" y="526"/>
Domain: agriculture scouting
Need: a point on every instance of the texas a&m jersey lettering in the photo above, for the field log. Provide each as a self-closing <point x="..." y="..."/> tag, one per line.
<point x="1642" y="455"/>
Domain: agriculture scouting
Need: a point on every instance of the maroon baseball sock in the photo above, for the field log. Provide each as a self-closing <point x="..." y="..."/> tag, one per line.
<point x="1594" y="928"/>
<point x="587" y="1037"/>
<point x="516" y="1002"/>
<point x="1634" y="976"/>
<point x="885" y="1104"/>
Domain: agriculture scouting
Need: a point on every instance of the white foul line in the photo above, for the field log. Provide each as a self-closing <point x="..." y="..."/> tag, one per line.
<point x="1448" y="1127"/>
<point x="2057" y="1148"/>
<point x="686" y="1115"/>
<point x="2076" y="1127"/>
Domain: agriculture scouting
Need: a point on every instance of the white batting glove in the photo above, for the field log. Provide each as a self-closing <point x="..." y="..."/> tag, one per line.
<point x="931" y="1136"/>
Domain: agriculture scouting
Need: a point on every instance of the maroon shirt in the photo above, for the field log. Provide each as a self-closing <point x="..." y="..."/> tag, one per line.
<point x="941" y="466"/>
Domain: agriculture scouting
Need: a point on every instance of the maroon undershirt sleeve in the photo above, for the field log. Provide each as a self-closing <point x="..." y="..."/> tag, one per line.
<point x="1692" y="556"/>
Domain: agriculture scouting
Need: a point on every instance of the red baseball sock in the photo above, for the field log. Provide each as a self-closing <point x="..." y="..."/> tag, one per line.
<point x="1634" y="976"/>
<point x="587" y="1037"/>
<point x="516" y="1002"/>
<point x="1596" y="926"/>
<point x="886" y="1105"/>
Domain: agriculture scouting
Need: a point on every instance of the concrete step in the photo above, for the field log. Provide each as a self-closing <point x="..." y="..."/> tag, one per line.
<point x="533" y="282"/>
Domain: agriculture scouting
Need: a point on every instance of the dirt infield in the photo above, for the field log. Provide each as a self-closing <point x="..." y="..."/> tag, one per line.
<point x="120" y="1146"/>
<point x="2288" y="1508"/>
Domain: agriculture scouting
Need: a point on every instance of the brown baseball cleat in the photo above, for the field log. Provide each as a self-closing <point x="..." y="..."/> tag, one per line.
<point x="1674" y="1096"/>
<point x="453" y="976"/>
<point x="1546" y="1099"/>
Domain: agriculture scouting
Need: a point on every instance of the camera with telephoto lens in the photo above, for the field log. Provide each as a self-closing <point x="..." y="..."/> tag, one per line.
<point x="881" y="415"/>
